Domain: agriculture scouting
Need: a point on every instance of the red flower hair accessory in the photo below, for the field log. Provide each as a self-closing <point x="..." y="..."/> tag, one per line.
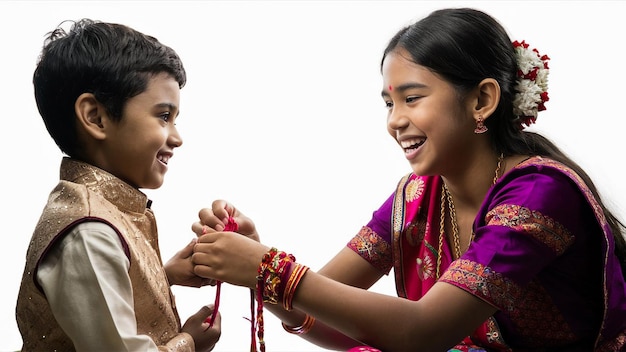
<point x="531" y="85"/>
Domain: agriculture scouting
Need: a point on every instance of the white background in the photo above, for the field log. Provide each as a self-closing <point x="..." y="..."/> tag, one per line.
<point x="282" y="116"/>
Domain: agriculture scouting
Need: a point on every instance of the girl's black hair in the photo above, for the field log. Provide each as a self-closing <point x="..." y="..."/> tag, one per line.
<point x="465" y="46"/>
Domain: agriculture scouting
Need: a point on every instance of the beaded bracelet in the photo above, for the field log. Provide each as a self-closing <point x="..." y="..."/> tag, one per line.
<point x="302" y="329"/>
<point x="278" y="277"/>
<point x="270" y="272"/>
<point x="268" y="289"/>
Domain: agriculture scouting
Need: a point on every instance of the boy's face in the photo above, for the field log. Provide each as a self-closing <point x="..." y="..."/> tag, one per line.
<point x="138" y="148"/>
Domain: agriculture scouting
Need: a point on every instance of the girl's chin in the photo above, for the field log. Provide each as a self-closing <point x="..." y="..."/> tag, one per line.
<point x="419" y="169"/>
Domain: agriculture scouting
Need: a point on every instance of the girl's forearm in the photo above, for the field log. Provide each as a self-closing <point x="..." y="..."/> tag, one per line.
<point x="319" y="334"/>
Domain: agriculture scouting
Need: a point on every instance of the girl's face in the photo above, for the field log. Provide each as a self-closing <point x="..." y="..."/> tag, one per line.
<point x="425" y="116"/>
<point x="138" y="147"/>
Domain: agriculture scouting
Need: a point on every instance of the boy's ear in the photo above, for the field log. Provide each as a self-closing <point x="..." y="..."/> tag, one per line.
<point x="90" y="115"/>
<point x="487" y="98"/>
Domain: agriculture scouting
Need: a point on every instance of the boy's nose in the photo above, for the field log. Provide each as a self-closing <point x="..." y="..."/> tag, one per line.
<point x="174" y="139"/>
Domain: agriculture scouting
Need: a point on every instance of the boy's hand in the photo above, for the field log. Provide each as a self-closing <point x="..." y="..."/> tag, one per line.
<point x="203" y="337"/>
<point x="214" y="219"/>
<point x="179" y="269"/>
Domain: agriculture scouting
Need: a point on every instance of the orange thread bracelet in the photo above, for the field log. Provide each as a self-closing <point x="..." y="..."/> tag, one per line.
<point x="292" y="283"/>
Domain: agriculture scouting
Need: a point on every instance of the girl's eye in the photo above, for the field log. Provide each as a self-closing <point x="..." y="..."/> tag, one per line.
<point x="388" y="104"/>
<point x="412" y="99"/>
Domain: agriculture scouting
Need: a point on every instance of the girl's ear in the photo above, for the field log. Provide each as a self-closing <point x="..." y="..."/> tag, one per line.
<point x="90" y="115"/>
<point x="487" y="99"/>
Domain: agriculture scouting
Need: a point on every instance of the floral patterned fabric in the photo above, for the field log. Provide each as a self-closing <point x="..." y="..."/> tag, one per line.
<point x="542" y="254"/>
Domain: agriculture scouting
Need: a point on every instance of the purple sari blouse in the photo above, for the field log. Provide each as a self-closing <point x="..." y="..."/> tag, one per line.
<point x="543" y="255"/>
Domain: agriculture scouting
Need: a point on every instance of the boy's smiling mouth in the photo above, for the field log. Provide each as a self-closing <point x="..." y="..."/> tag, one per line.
<point x="164" y="157"/>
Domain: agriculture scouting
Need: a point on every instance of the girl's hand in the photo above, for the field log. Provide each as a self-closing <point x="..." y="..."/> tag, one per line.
<point x="228" y="257"/>
<point x="215" y="219"/>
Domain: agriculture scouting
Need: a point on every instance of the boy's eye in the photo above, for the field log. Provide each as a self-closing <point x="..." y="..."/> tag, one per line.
<point x="165" y="116"/>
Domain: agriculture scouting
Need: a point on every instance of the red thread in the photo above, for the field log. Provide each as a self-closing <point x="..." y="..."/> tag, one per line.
<point x="216" y="305"/>
<point x="231" y="225"/>
<point x="259" y="319"/>
<point x="256" y="319"/>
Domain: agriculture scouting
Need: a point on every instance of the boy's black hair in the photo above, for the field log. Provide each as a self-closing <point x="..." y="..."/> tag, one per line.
<point x="112" y="61"/>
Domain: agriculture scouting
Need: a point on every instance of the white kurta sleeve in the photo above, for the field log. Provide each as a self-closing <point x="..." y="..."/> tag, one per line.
<point x="85" y="279"/>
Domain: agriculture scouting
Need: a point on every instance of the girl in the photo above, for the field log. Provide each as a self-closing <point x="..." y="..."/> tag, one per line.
<point x="498" y="241"/>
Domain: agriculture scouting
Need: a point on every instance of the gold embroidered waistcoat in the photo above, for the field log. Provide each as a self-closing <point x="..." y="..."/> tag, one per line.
<point x="86" y="193"/>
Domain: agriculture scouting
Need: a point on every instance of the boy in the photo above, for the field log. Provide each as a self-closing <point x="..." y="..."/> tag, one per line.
<point x="94" y="279"/>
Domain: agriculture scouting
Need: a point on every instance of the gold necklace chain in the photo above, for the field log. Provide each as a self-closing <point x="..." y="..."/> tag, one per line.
<point x="455" y="227"/>
<point x="446" y="197"/>
<point x="497" y="173"/>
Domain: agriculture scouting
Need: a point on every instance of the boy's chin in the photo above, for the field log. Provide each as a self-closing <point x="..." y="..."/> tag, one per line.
<point x="152" y="184"/>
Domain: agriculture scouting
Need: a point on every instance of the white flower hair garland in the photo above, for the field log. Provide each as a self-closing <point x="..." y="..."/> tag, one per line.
<point x="531" y="84"/>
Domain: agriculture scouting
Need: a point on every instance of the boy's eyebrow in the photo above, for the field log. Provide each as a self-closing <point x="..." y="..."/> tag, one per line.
<point x="169" y="106"/>
<point x="166" y="105"/>
<point x="404" y="87"/>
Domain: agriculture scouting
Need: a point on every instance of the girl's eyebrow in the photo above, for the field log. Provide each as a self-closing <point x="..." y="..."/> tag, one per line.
<point x="404" y="87"/>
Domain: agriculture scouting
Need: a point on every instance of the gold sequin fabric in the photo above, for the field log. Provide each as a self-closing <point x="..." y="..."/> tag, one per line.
<point x="86" y="193"/>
